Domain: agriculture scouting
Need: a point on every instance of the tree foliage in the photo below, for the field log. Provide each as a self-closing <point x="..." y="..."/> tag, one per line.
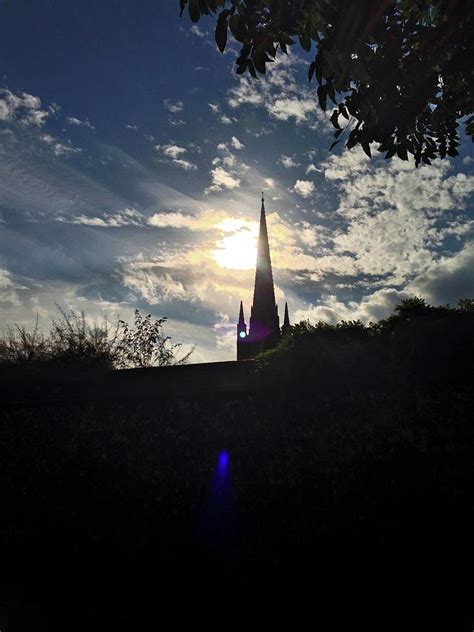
<point x="432" y="345"/>
<point x="399" y="73"/>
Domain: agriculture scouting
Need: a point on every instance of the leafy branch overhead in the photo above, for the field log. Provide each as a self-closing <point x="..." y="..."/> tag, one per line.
<point x="399" y="73"/>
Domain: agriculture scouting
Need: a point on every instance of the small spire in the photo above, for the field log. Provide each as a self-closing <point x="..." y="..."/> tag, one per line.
<point x="286" y="321"/>
<point x="241" y="314"/>
<point x="263" y="202"/>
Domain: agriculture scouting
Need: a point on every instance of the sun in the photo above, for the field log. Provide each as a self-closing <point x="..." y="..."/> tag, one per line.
<point x="238" y="250"/>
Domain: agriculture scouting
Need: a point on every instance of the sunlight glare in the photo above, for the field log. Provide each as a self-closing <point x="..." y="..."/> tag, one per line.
<point x="239" y="250"/>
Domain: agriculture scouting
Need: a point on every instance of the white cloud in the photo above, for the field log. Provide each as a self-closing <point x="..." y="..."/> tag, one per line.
<point x="305" y="188"/>
<point x="449" y="279"/>
<point x="195" y="30"/>
<point x="172" y="154"/>
<point x="372" y="307"/>
<point x="9" y="288"/>
<point x="288" y="161"/>
<point x="236" y="144"/>
<point x="149" y="282"/>
<point x="24" y="108"/>
<point x="172" y="151"/>
<point x="173" y="106"/>
<point x="397" y="218"/>
<point x="281" y="94"/>
<point x="185" y="164"/>
<point x="302" y="110"/>
<point x="222" y="179"/>
<point x="125" y="217"/>
<point x="270" y="183"/>
<point x="72" y="120"/>
<point x="60" y="149"/>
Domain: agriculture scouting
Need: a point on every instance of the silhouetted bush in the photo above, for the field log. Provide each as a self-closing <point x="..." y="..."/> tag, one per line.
<point x="418" y="342"/>
<point x="75" y="342"/>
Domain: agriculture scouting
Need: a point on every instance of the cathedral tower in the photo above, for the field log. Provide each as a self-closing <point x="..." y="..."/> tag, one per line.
<point x="264" y="325"/>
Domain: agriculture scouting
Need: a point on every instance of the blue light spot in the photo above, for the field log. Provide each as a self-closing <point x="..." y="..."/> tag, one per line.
<point x="242" y="334"/>
<point x="223" y="461"/>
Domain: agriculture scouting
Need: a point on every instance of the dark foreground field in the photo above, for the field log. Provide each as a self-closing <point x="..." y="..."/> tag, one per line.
<point x="112" y="509"/>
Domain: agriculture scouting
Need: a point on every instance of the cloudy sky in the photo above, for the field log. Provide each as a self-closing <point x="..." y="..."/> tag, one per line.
<point x="131" y="165"/>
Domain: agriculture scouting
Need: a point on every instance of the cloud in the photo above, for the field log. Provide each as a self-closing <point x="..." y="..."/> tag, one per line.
<point x="236" y="144"/>
<point x="299" y="109"/>
<point x="372" y="307"/>
<point x="24" y="108"/>
<point x="60" y="149"/>
<point x="172" y="153"/>
<point x="9" y="288"/>
<point x="72" y="120"/>
<point x="288" y="161"/>
<point x="222" y="179"/>
<point x="126" y="217"/>
<point x="173" y="106"/>
<point x="396" y="219"/>
<point x="195" y="30"/>
<point x="149" y="283"/>
<point x="305" y="188"/>
<point x="280" y="94"/>
<point x="449" y="279"/>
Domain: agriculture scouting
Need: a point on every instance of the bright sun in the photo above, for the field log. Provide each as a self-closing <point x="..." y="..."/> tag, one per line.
<point x="239" y="250"/>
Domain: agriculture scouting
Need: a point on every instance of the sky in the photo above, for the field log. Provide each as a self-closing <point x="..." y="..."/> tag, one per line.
<point x="132" y="160"/>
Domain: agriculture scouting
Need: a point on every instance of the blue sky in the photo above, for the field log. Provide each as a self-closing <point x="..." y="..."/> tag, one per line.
<point x="131" y="165"/>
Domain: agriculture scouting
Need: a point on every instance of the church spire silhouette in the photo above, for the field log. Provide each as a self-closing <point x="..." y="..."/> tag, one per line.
<point x="264" y="326"/>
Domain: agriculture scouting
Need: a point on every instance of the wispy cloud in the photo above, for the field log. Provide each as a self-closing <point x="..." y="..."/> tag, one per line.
<point x="172" y="155"/>
<point x="72" y="120"/>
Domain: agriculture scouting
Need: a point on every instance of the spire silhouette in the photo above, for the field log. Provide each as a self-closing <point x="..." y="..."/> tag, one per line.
<point x="241" y="314"/>
<point x="286" y="320"/>
<point x="264" y="322"/>
<point x="264" y="325"/>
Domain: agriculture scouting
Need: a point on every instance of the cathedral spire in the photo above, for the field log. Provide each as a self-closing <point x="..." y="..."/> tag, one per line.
<point x="264" y="326"/>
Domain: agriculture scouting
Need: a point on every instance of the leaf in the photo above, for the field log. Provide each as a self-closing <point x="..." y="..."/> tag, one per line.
<point x="242" y="67"/>
<point x="252" y="69"/>
<point x="331" y="92"/>
<point x="311" y="69"/>
<point x="194" y="11"/>
<point x="335" y="119"/>
<point x="305" y="42"/>
<point x="402" y="152"/>
<point x="366" y="147"/>
<point x="236" y="27"/>
<point x="322" y="96"/>
<point x="221" y="34"/>
<point x="353" y="140"/>
<point x="259" y="59"/>
<point x="390" y="153"/>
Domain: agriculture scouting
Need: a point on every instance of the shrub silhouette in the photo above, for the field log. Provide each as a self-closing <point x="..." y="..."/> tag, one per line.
<point x="431" y="345"/>
<point x="144" y="345"/>
<point x="73" y="341"/>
